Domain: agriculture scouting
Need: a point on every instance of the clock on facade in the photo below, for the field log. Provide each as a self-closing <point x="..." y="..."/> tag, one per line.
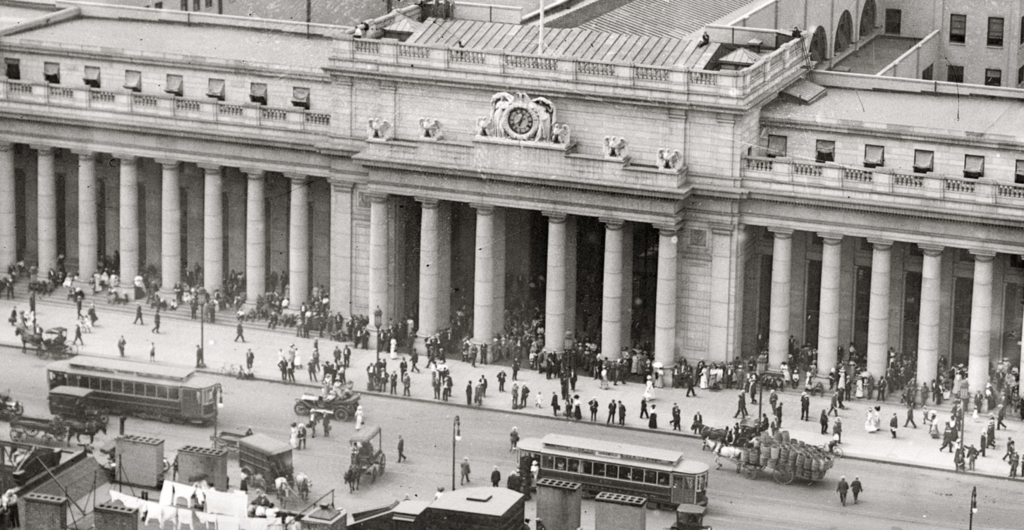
<point x="520" y="120"/>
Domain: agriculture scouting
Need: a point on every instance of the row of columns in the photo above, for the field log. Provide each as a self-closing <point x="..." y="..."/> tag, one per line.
<point x="170" y="222"/>
<point x="878" y="310"/>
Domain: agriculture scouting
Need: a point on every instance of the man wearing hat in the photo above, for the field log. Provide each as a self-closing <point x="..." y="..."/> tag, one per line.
<point x="842" y="488"/>
<point x="894" y="422"/>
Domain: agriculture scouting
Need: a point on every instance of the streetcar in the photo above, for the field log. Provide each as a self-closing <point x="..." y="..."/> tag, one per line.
<point x="664" y="477"/>
<point x="160" y="392"/>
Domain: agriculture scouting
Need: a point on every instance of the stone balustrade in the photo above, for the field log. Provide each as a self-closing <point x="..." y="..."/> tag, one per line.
<point x="831" y="180"/>
<point x="55" y="97"/>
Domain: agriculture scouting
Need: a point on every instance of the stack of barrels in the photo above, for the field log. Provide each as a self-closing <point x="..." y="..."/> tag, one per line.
<point x="804" y="461"/>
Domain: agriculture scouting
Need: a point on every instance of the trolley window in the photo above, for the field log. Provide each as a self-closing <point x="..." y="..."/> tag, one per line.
<point x="150" y="391"/>
<point x="611" y="471"/>
<point x="560" y="463"/>
<point x="208" y="396"/>
<point x="117" y="387"/>
<point x="83" y="382"/>
<point x="663" y="479"/>
<point x="574" y="465"/>
<point x="105" y="385"/>
<point x="598" y="469"/>
<point x="161" y="392"/>
<point x="588" y="468"/>
<point x="702" y="482"/>
<point x="94" y="383"/>
<point x="651" y="477"/>
<point x="173" y="394"/>
<point x="625" y="473"/>
<point x="547" y="462"/>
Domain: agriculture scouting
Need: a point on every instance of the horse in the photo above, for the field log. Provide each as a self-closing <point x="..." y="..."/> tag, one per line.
<point x="88" y="427"/>
<point x="717" y="437"/>
<point x="28" y="337"/>
<point x="732" y="453"/>
<point x="302" y="485"/>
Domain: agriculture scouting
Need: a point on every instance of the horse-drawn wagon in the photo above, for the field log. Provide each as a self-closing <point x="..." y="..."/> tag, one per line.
<point x="366" y="460"/>
<point x="784" y="459"/>
<point x="51" y="343"/>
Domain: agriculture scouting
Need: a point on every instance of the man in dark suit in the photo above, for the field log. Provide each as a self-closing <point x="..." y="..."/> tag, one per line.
<point x="622" y="413"/>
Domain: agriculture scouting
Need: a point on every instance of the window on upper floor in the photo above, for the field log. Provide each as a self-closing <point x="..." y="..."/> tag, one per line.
<point x="874" y="156"/>
<point x="995" y="31"/>
<point x="184" y="5"/>
<point x="195" y="5"/>
<point x="1022" y="30"/>
<point x="955" y="74"/>
<point x="923" y="161"/>
<point x="1018" y="172"/>
<point x="175" y="85"/>
<point x="1020" y="75"/>
<point x="92" y="76"/>
<point x="958" y="28"/>
<point x="209" y="3"/>
<point x="300" y="97"/>
<point x="927" y="74"/>
<point x="993" y="77"/>
<point x="258" y="93"/>
<point x="776" y="145"/>
<point x="825" y="151"/>
<point x="13" y="68"/>
<point x="974" y="166"/>
<point x="51" y="72"/>
<point x="158" y="5"/>
<point x="133" y="80"/>
<point x="215" y="89"/>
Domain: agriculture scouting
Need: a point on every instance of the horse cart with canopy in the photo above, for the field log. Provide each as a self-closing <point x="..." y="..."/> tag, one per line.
<point x="367" y="460"/>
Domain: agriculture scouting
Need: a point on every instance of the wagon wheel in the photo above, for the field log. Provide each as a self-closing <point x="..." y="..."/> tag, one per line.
<point x="301" y="408"/>
<point x="44" y="354"/>
<point x="18" y="409"/>
<point x="30" y="431"/>
<point x="17" y="434"/>
<point x="783" y="476"/>
<point x="373" y="474"/>
<point x="750" y="471"/>
<point x="382" y="461"/>
<point x="341" y="414"/>
<point x="71" y="350"/>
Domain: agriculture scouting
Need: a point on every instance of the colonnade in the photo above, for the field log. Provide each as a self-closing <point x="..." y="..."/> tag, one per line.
<point x="878" y="311"/>
<point x="170" y="221"/>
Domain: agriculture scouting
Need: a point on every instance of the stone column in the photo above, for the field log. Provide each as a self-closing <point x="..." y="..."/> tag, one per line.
<point x="665" y="310"/>
<point x="627" y="287"/>
<point x="570" y="274"/>
<point x="129" y="235"/>
<point x="444" y="264"/>
<point x="213" y="229"/>
<point x="554" y="296"/>
<point x="429" y="271"/>
<point x="298" y="242"/>
<point x="341" y="247"/>
<point x="46" y="228"/>
<point x="170" y="226"/>
<point x="8" y="208"/>
<point x="611" y="298"/>
<point x="377" y="293"/>
<point x="255" y="236"/>
<point x="483" y="275"/>
<point x="878" y="308"/>
<point x="722" y="292"/>
<point x="981" y="321"/>
<point x="928" y="320"/>
<point x="778" y="321"/>
<point x="88" y="215"/>
<point x="828" y="312"/>
<point x="499" y="240"/>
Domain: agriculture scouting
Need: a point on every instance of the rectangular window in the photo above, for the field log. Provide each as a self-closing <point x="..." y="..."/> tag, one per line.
<point x="133" y="80"/>
<point x="995" y="31"/>
<point x="94" y="383"/>
<point x="874" y="156"/>
<point x="158" y="5"/>
<point x="92" y="76"/>
<point x="161" y="392"/>
<point x="51" y="72"/>
<point x="184" y="5"/>
<point x="955" y="74"/>
<point x="117" y="387"/>
<point x="547" y="462"/>
<point x="209" y="3"/>
<point x="776" y="145"/>
<point x="958" y="28"/>
<point x="993" y="77"/>
<point x="1020" y="71"/>
<point x="1022" y="30"/>
<point x="1018" y="173"/>
<point x="173" y="394"/>
<point x="150" y="391"/>
<point x="300" y="97"/>
<point x="560" y="463"/>
<point x="974" y="167"/>
<point x="625" y="473"/>
<point x="574" y="465"/>
<point x="105" y="385"/>
<point x="13" y="68"/>
<point x="195" y="5"/>
<point x="588" y="468"/>
<point x="927" y="74"/>
<point x="215" y="89"/>
<point x="258" y="93"/>
<point x="175" y="85"/>
<point x="826" y="151"/>
<point x="598" y="469"/>
<point x="611" y="471"/>
<point x="923" y="161"/>
<point x="651" y="477"/>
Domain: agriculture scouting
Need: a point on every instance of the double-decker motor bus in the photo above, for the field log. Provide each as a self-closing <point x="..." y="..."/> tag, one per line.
<point x="664" y="477"/>
<point x="160" y="392"/>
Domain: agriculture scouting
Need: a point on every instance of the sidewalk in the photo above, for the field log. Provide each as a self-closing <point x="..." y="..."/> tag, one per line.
<point x="179" y="335"/>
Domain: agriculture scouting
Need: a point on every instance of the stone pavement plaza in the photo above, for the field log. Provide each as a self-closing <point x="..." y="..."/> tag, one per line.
<point x="179" y="335"/>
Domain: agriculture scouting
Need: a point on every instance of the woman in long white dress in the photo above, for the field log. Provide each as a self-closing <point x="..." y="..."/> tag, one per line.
<point x="871" y="424"/>
<point x="860" y="387"/>
<point x="649" y="391"/>
<point x="293" y="439"/>
<point x="704" y="378"/>
<point x="359" y="417"/>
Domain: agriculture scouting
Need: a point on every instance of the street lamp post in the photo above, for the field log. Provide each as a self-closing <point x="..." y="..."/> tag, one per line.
<point x="204" y="298"/>
<point x="377" y="313"/>
<point x="965" y="397"/>
<point x="456" y="436"/>
<point x="762" y="368"/>
<point x="974" y="507"/>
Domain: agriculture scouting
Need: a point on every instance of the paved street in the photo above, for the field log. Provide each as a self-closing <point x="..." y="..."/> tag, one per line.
<point x="894" y="497"/>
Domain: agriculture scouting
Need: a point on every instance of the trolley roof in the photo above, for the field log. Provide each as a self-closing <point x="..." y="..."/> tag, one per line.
<point x="366" y="434"/>
<point x="265" y="444"/>
<point x="131" y="371"/>
<point x="493" y="502"/>
<point x="616" y="451"/>
<point x="76" y="391"/>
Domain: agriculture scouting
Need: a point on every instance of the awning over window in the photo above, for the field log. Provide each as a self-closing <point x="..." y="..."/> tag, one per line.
<point x="92" y="73"/>
<point x="826" y="147"/>
<point x="215" y="89"/>
<point x="923" y="159"/>
<point x="300" y="95"/>
<point x="51" y="69"/>
<point x="133" y="80"/>
<point x="174" y="84"/>
<point x="258" y="90"/>
<point x="874" y="154"/>
<point x="974" y="165"/>
<point x="776" y="145"/>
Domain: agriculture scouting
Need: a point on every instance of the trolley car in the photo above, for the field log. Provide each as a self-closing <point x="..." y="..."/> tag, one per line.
<point x="664" y="477"/>
<point x="160" y="392"/>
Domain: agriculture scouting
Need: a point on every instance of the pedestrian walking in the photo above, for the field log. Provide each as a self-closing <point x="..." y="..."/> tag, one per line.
<point x="78" y="334"/>
<point x="401" y="449"/>
<point x="594" y="405"/>
<point x="250" y="357"/>
<point x="121" y="344"/>
<point x="837" y="430"/>
<point x="894" y="422"/>
<point x="406" y="384"/>
<point x="741" y="406"/>
<point x="842" y="488"/>
<point x="239" y="333"/>
<point x="312" y="369"/>
<point x="501" y="381"/>
<point x="9" y="502"/>
<point x="464" y="468"/>
<point x="805" y="407"/>
<point x="652" y="421"/>
<point x="1010" y="449"/>
<point x="677" y="418"/>
<point x="612" y="407"/>
<point x="856" y="488"/>
<point x="1013" y="465"/>
<point x="152" y="352"/>
<point x="156" y="321"/>
<point x="200" y="361"/>
<point x="834" y="404"/>
<point x="327" y="425"/>
<point x="495" y="477"/>
<point x="513" y="438"/>
<point x="910" y="417"/>
<point x="138" y="314"/>
<point x="643" y="409"/>
<point x="698" y="423"/>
